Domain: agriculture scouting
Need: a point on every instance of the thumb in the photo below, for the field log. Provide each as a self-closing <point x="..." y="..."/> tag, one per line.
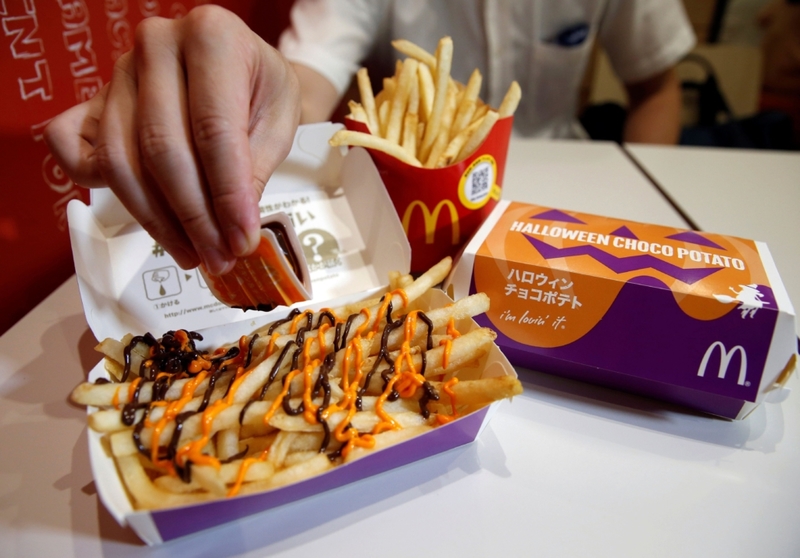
<point x="71" y="137"/>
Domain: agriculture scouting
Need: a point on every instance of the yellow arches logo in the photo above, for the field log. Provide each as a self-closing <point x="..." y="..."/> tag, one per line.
<point x="432" y="217"/>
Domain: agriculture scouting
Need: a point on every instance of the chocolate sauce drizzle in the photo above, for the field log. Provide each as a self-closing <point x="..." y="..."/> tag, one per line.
<point x="168" y="355"/>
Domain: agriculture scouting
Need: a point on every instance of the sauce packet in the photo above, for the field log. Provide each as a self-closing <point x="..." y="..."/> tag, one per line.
<point x="276" y="274"/>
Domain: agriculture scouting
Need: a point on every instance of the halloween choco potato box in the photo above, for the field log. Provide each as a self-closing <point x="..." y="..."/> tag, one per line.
<point x="694" y="318"/>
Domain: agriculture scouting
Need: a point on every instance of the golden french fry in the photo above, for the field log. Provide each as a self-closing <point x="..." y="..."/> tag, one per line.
<point x="227" y="443"/>
<point x="389" y="86"/>
<point x="467" y="104"/>
<point x="383" y="118"/>
<point x="389" y="438"/>
<point x="358" y="113"/>
<point x="405" y="80"/>
<point x="409" y="141"/>
<point x="348" y="137"/>
<point x="411" y="119"/>
<point x="480" y="111"/>
<point x="440" y="142"/>
<point x="479" y="136"/>
<point x="368" y="99"/>
<point x="427" y="92"/>
<point x="510" y="101"/>
<point x="463" y="117"/>
<point x="301" y="471"/>
<point x="416" y="52"/>
<point x="456" y="144"/>
<point x="381" y="98"/>
<point x="145" y="493"/>
<point x="444" y="60"/>
<point x="440" y="121"/>
<point x="482" y="391"/>
<point x="208" y="479"/>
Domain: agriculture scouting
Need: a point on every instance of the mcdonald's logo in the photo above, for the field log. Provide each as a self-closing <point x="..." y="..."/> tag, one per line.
<point x="725" y="358"/>
<point x="431" y="218"/>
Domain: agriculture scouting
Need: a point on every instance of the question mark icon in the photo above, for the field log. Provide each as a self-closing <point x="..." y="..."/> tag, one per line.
<point x="314" y="241"/>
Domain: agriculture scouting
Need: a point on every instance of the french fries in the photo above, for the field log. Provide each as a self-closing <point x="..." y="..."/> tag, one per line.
<point x="292" y="400"/>
<point x="422" y="116"/>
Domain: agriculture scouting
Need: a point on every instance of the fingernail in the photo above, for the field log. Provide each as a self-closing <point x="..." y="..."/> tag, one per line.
<point x="238" y="241"/>
<point x="215" y="262"/>
<point x="184" y="258"/>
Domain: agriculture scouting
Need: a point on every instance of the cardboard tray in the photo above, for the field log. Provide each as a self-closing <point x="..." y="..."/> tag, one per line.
<point x="158" y="526"/>
<point x="353" y="237"/>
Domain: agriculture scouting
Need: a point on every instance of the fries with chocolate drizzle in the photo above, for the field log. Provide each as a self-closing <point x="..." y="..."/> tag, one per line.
<point x="292" y="400"/>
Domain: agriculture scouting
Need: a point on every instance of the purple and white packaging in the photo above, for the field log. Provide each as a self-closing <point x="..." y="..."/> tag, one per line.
<point x="694" y="318"/>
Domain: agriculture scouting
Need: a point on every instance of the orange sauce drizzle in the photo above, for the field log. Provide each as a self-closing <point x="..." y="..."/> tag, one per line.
<point x="321" y="331"/>
<point x="409" y="379"/>
<point x="172" y="411"/>
<point x="385" y="304"/>
<point x="271" y="346"/>
<point x="237" y="485"/>
<point x="309" y="408"/>
<point x="296" y="320"/>
<point x="387" y="422"/>
<point x="448" y="389"/>
<point x="365" y="325"/>
<point x="405" y="377"/>
<point x="406" y="380"/>
<point x="183" y="338"/>
<point x="244" y="343"/>
<point x="307" y="350"/>
<point x="332" y="313"/>
<point x="192" y="451"/>
<point x="351" y="438"/>
<point x="132" y="388"/>
<point x="197" y="365"/>
<point x="279" y="400"/>
<point x="453" y="333"/>
<point x="350" y="389"/>
<point x="115" y="399"/>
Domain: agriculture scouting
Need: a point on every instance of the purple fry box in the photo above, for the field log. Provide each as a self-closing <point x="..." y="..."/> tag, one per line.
<point x="693" y="318"/>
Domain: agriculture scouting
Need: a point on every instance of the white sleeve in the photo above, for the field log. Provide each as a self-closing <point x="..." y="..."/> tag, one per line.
<point x="645" y="37"/>
<point x="332" y="37"/>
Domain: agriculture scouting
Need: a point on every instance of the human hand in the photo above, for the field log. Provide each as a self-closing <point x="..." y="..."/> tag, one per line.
<point x="192" y="124"/>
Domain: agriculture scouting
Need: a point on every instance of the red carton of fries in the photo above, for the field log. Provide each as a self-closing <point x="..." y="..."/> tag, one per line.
<point x="268" y="408"/>
<point x="440" y="149"/>
<point x="441" y="208"/>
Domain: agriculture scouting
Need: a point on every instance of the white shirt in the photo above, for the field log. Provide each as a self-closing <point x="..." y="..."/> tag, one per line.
<point x="504" y="39"/>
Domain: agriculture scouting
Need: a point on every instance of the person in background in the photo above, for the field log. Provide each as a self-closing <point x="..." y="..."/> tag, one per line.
<point x="780" y="50"/>
<point x="201" y="112"/>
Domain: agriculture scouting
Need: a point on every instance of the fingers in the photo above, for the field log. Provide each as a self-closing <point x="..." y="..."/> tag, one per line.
<point x="193" y="123"/>
<point x="166" y="142"/>
<point x="71" y="137"/>
<point x="219" y="67"/>
<point x="117" y="158"/>
<point x="272" y="128"/>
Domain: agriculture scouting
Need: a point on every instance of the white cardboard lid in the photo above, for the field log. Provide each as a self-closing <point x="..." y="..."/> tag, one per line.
<point x="348" y="227"/>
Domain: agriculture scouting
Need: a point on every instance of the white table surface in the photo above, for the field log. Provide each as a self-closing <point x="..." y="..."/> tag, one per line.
<point x="591" y="177"/>
<point x="746" y="193"/>
<point x="565" y="469"/>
